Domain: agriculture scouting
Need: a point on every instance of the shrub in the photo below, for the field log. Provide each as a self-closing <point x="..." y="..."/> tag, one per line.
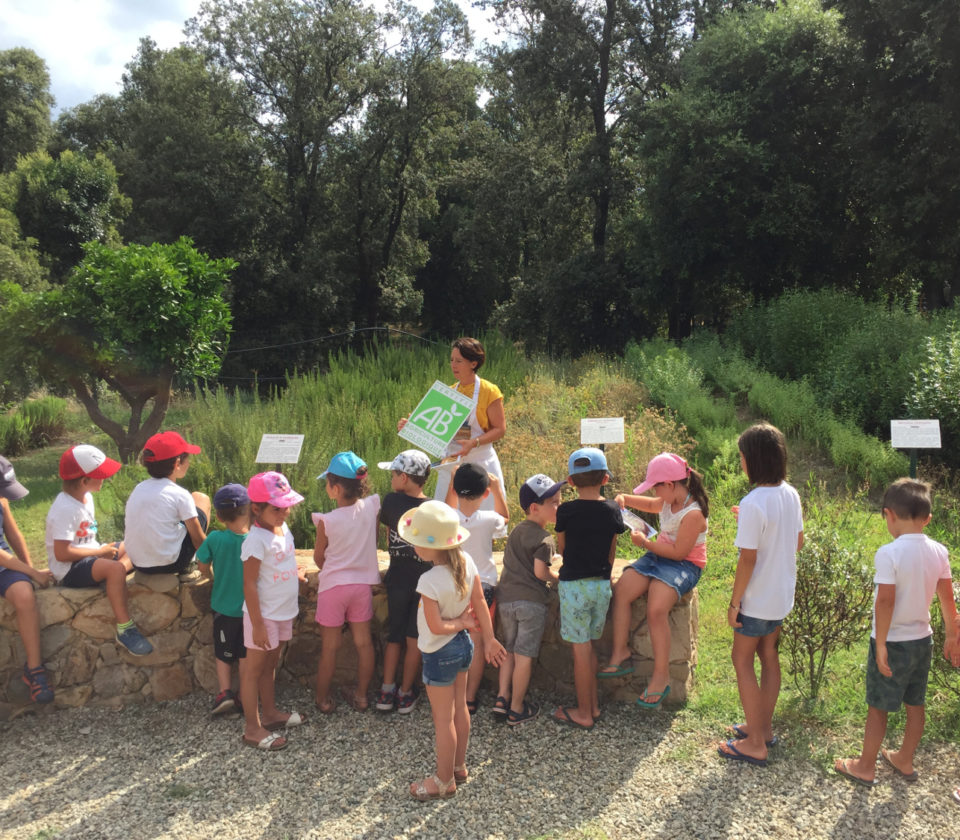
<point x="834" y="597"/>
<point x="34" y="423"/>
<point x="935" y="390"/>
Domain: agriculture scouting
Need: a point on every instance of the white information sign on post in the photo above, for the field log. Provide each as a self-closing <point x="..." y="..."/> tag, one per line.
<point x="437" y="418"/>
<point x="279" y="449"/>
<point x="915" y="434"/>
<point x="594" y="430"/>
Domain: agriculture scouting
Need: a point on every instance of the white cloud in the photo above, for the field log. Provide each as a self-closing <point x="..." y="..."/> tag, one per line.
<point x="86" y="45"/>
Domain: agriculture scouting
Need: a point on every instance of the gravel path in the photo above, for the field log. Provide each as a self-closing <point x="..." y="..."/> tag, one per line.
<point x="169" y="771"/>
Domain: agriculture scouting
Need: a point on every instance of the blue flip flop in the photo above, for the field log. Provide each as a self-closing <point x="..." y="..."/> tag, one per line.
<point x="736" y="755"/>
<point x="622" y="669"/>
<point x="644" y="703"/>
<point x="741" y="735"/>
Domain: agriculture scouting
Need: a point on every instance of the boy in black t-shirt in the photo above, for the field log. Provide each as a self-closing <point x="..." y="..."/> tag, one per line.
<point x="587" y="530"/>
<point x="410" y="470"/>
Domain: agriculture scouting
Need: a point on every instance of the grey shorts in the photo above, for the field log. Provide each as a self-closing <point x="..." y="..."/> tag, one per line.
<point x="910" y="663"/>
<point x="523" y="623"/>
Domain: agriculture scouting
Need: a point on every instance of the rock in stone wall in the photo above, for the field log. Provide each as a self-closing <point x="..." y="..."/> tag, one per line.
<point x="87" y="667"/>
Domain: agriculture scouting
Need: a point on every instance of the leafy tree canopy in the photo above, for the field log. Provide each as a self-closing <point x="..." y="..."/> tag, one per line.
<point x="25" y="104"/>
<point x="130" y="318"/>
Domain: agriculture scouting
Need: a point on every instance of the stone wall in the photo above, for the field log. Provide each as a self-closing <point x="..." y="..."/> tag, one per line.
<point x="87" y="667"/>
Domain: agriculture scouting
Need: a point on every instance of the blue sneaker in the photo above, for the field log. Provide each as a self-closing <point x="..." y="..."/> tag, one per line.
<point x="406" y="702"/>
<point x="36" y="680"/>
<point x="387" y="700"/>
<point x="133" y="640"/>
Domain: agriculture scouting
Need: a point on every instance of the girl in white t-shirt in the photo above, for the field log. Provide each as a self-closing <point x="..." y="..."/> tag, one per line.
<point x="451" y="604"/>
<point x="769" y="535"/>
<point x="346" y="555"/>
<point x="271" y="586"/>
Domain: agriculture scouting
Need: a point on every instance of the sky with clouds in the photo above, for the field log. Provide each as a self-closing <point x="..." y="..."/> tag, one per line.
<point x="87" y="44"/>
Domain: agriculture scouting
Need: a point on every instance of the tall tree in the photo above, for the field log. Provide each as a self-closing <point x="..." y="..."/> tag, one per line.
<point x="66" y="201"/>
<point x="25" y="103"/>
<point x="746" y="169"/>
<point x="908" y="146"/>
<point x="178" y="137"/>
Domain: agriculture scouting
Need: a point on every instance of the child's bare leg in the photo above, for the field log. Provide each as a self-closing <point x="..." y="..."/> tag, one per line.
<point x="267" y="688"/>
<point x="254" y="663"/>
<point x="24" y="601"/>
<point x="391" y="659"/>
<point x="660" y="600"/>
<point x="522" y="669"/>
<point x="411" y="666"/>
<point x="585" y="682"/>
<point x="330" y="643"/>
<point x="224" y="675"/>
<point x="363" y="642"/>
<point x="769" y="653"/>
<point x="864" y="766"/>
<point x="902" y="759"/>
<point x="202" y="501"/>
<point x="441" y="708"/>
<point x="744" y="650"/>
<point x="461" y="721"/>
<point x="505" y="678"/>
<point x="626" y="590"/>
<point x="475" y="674"/>
<point x="115" y="575"/>
<point x="594" y="684"/>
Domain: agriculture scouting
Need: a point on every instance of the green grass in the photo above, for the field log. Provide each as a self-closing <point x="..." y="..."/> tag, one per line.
<point x="356" y="406"/>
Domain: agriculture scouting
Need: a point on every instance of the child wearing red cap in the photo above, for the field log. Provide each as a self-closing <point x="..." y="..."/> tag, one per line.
<point x="75" y="555"/>
<point x="164" y="523"/>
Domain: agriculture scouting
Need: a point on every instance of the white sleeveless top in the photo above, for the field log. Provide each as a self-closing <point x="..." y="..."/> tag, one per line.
<point x="670" y="524"/>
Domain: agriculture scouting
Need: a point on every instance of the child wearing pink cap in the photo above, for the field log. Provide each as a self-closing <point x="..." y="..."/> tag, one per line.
<point x="670" y="568"/>
<point x="75" y="555"/>
<point x="271" y="586"/>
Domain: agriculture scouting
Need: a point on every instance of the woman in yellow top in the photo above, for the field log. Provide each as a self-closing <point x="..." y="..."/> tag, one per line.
<point x="486" y="423"/>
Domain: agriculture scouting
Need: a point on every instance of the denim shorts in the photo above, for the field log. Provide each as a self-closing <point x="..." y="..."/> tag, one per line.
<point x="522" y="623"/>
<point x="441" y="667"/>
<point x="80" y="575"/>
<point x="583" y="609"/>
<point x="910" y="663"/>
<point x="679" y="575"/>
<point x="756" y="627"/>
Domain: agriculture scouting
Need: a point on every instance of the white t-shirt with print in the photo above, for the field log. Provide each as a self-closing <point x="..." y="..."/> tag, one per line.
<point x="278" y="587"/>
<point x="484" y="526"/>
<point x="438" y="584"/>
<point x="770" y="521"/>
<point x="914" y="564"/>
<point x="73" y="520"/>
<point x="153" y="522"/>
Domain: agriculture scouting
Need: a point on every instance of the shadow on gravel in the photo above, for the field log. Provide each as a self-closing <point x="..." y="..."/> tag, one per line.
<point x="171" y="771"/>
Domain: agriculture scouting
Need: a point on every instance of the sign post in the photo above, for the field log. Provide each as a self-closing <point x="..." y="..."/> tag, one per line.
<point x="279" y="449"/>
<point x="437" y="419"/>
<point x="600" y="430"/>
<point x="914" y="435"/>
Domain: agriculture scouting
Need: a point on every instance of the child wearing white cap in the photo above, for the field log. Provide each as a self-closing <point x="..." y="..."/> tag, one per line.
<point x="75" y="554"/>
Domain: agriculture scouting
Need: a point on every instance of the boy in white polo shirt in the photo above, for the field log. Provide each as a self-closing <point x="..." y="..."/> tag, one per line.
<point x="165" y="524"/>
<point x="908" y="573"/>
<point x="75" y="555"/>
<point x="470" y="486"/>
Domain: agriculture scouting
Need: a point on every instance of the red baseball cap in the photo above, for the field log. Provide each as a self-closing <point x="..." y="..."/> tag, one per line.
<point x="166" y="445"/>
<point x="86" y="461"/>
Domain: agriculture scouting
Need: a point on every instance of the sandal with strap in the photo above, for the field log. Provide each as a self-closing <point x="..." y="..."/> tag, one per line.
<point x="36" y="680"/>
<point x="460" y="773"/>
<point x="472" y="706"/>
<point x="501" y="706"/>
<point x="419" y="791"/>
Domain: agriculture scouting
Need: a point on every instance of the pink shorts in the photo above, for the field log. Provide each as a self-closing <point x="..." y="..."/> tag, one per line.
<point x="277" y="632"/>
<point x="351" y="602"/>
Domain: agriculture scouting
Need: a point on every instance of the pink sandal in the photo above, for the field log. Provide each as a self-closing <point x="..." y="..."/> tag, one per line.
<point x="420" y="792"/>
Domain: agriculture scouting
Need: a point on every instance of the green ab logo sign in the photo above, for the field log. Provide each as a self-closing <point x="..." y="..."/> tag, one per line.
<point x="436" y="419"/>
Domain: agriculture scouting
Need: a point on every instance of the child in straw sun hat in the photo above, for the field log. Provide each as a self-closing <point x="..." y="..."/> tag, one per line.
<point x="451" y="604"/>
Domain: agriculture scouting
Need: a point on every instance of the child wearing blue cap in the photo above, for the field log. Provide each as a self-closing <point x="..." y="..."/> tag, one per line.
<point x="219" y="557"/>
<point x="587" y="530"/>
<point x="346" y="555"/>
